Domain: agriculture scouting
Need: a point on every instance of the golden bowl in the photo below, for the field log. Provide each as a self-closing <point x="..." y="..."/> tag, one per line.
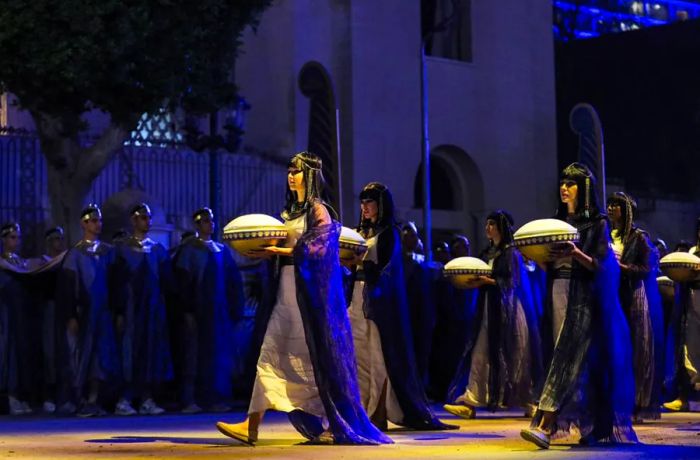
<point x="537" y="238"/>
<point x="464" y="271"/>
<point x="680" y="266"/>
<point x="666" y="286"/>
<point x="351" y="244"/>
<point x="254" y="231"/>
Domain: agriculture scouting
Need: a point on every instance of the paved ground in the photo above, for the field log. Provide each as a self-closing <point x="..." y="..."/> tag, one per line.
<point x="491" y="436"/>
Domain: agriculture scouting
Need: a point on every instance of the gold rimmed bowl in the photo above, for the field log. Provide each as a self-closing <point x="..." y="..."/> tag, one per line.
<point x="351" y="243"/>
<point x="253" y="232"/>
<point x="680" y="266"/>
<point x="537" y="238"/>
<point x="463" y="272"/>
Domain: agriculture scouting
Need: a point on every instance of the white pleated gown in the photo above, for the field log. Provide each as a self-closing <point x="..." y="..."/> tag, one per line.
<point x="371" y="369"/>
<point x="285" y="380"/>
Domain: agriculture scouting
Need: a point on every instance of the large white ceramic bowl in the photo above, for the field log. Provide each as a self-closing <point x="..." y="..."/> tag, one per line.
<point x="254" y="231"/>
<point x="464" y="271"/>
<point x="537" y="238"/>
<point x="680" y="266"/>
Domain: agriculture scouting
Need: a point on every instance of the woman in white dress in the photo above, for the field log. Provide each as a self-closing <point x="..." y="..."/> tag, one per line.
<point x="306" y="365"/>
<point x="390" y="386"/>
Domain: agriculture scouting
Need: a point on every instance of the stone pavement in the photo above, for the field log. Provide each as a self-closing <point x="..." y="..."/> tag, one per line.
<point x="490" y="436"/>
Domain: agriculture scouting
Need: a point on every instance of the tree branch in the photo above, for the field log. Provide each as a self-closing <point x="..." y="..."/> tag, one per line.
<point x="58" y="149"/>
<point x="94" y="159"/>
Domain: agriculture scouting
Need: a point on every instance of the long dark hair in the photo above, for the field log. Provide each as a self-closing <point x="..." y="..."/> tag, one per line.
<point x="586" y="200"/>
<point x="385" y="206"/>
<point x="504" y="224"/>
<point x="629" y="210"/>
<point x="312" y="168"/>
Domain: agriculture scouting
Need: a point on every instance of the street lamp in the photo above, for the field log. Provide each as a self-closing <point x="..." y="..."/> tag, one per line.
<point x="234" y="122"/>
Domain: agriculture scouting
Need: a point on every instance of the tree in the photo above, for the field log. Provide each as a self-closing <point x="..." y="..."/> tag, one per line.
<point x="63" y="58"/>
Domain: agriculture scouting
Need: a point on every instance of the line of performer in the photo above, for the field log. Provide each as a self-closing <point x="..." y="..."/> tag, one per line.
<point x="583" y="342"/>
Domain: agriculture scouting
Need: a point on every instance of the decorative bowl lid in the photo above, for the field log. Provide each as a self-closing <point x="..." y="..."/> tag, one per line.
<point x="549" y="229"/>
<point x="348" y="235"/>
<point x="684" y="259"/>
<point x="252" y="226"/>
<point x="466" y="266"/>
<point x="252" y="221"/>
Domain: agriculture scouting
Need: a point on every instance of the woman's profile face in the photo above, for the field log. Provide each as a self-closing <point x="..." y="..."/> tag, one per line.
<point x="492" y="232"/>
<point x="615" y="211"/>
<point x="369" y="209"/>
<point x="295" y="179"/>
<point x="568" y="191"/>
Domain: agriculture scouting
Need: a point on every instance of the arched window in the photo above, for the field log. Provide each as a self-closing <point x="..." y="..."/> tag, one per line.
<point x="444" y="190"/>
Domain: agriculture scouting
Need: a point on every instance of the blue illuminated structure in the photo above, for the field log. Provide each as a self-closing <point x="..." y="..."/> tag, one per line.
<point x="580" y="19"/>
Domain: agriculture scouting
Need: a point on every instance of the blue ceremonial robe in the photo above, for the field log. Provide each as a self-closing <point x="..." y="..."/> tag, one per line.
<point x="143" y="275"/>
<point x="82" y="293"/>
<point x="210" y="289"/>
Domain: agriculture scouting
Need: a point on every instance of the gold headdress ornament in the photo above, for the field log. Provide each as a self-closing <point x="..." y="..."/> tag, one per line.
<point x="91" y="211"/>
<point x="141" y="209"/>
<point x="585" y="180"/>
<point x="307" y="163"/>
<point x="200" y="213"/>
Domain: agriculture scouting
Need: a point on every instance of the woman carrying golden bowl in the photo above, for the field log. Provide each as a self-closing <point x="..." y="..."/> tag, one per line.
<point x="503" y="365"/>
<point x="589" y="384"/>
<point x="307" y="363"/>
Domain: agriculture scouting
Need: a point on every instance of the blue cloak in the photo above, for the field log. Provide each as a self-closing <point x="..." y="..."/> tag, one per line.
<point x="82" y="293"/>
<point x="143" y="276"/>
<point x="16" y="363"/>
<point x="209" y="287"/>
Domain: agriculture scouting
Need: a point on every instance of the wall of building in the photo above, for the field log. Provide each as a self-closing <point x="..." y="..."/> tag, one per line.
<point x="497" y="110"/>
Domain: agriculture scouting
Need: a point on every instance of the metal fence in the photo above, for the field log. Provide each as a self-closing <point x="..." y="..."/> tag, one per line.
<point x="176" y="178"/>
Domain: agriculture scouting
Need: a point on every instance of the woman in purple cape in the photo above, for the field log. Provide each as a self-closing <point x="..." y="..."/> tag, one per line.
<point x="589" y="384"/>
<point x="307" y="361"/>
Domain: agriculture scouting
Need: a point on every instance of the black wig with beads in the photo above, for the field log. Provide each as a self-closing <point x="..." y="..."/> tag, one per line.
<point x="587" y="199"/>
<point x="629" y="211"/>
<point x="311" y="166"/>
<point x="385" y="206"/>
<point x="504" y="224"/>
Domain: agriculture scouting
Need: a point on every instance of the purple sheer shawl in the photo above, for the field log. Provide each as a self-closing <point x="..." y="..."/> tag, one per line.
<point x="324" y="312"/>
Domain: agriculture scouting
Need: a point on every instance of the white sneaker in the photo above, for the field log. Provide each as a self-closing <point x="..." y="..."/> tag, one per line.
<point x="124" y="408"/>
<point x="49" y="407"/>
<point x="149" y="407"/>
<point x="16" y="406"/>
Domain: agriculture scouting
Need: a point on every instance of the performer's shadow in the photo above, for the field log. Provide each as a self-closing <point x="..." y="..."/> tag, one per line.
<point x="209" y="442"/>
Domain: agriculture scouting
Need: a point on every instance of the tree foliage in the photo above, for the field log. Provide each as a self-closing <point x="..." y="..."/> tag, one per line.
<point x="125" y="57"/>
<point x="63" y="58"/>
